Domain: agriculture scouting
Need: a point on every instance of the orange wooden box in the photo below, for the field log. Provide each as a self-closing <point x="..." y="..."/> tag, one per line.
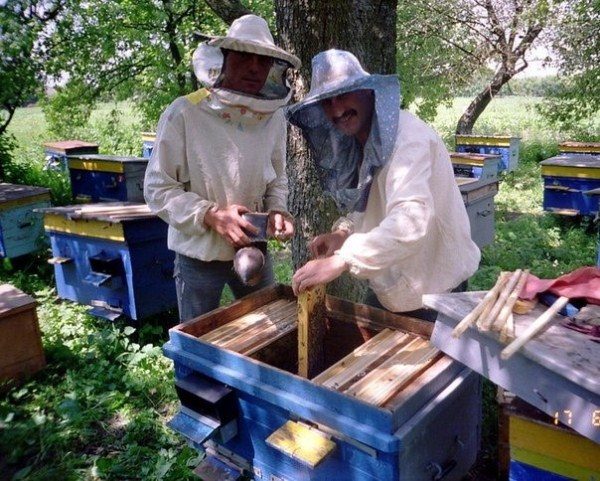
<point x="21" y="352"/>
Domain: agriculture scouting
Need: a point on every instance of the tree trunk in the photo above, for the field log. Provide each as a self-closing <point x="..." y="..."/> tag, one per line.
<point x="305" y="27"/>
<point x="481" y="101"/>
<point x="228" y="10"/>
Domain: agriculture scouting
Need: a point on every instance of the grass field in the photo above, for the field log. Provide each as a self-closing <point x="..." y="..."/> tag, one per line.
<point x="98" y="410"/>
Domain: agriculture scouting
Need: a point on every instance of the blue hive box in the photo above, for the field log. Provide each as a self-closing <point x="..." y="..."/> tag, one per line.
<point x="112" y="256"/>
<point x="244" y="404"/>
<point x="505" y="146"/>
<point x="21" y="228"/>
<point x="148" y="139"/>
<point x="483" y="167"/>
<point x="579" y="148"/>
<point x="57" y="152"/>
<point x="98" y="178"/>
<point x="569" y="184"/>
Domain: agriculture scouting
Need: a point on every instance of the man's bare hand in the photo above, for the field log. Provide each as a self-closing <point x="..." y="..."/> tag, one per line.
<point x="229" y="224"/>
<point x="325" y="245"/>
<point x="318" y="271"/>
<point x="281" y="225"/>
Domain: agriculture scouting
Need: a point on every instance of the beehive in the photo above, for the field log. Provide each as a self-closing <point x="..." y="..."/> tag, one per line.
<point x="21" y="228"/>
<point x="585" y="148"/>
<point x="379" y="408"/>
<point x="112" y="256"/>
<point x="479" y="202"/>
<point x="571" y="183"/>
<point x="148" y="139"/>
<point x="57" y="152"/>
<point x="483" y="167"/>
<point x="21" y="352"/>
<point x="96" y="178"/>
<point x="505" y="146"/>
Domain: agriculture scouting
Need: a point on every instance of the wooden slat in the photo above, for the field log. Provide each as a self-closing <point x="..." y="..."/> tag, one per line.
<point x="271" y="334"/>
<point x="361" y="350"/>
<point x="353" y="367"/>
<point x="382" y="382"/>
<point x="261" y="314"/>
<point x="242" y="336"/>
<point x="311" y="328"/>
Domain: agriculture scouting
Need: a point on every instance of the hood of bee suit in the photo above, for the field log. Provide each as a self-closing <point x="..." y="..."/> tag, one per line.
<point x="346" y="169"/>
<point x="249" y="34"/>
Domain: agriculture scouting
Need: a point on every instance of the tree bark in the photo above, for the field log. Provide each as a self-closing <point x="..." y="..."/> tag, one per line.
<point x="367" y="28"/>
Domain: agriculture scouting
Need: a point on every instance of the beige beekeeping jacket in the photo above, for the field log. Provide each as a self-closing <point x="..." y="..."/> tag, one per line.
<point x="215" y="150"/>
<point x="414" y="237"/>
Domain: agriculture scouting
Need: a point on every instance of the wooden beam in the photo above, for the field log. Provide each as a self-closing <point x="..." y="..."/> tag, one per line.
<point x="311" y="328"/>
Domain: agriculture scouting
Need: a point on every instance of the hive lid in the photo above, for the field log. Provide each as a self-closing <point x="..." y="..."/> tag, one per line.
<point x="71" y="147"/>
<point x="13" y="300"/>
<point x="14" y="192"/>
<point x="471" y="158"/>
<point x="104" y="211"/>
<point x="565" y="160"/>
<point x="557" y="370"/>
<point x="570" y="146"/>
<point x="108" y="158"/>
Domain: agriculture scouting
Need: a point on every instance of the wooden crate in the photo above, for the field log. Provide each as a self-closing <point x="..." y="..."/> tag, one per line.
<point x="535" y="446"/>
<point x="21" y="352"/>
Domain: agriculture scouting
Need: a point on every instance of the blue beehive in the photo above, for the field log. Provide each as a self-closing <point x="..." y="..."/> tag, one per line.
<point x="148" y="139"/>
<point x="372" y="414"/>
<point x="107" y="177"/>
<point x="483" y="167"/>
<point x="579" y="148"/>
<point x="57" y="152"/>
<point x="505" y="146"/>
<point x="112" y="256"/>
<point x="569" y="184"/>
<point x="21" y="228"/>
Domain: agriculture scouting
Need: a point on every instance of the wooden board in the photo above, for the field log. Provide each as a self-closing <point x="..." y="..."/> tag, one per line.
<point x="305" y="444"/>
<point x="112" y="212"/>
<point x="9" y="193"/>
<point x="558" y="371"/>
<point x="255" y="330"/>
<point x="564" y="351"/>
<point x="311" y="329"/>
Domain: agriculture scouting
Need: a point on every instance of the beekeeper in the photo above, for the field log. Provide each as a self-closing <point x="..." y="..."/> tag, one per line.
<point x="219" y="153"/>
<point x="406" y="228"/>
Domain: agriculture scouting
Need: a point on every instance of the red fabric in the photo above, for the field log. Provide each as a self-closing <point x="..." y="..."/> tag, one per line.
<point x="583" y="283"/>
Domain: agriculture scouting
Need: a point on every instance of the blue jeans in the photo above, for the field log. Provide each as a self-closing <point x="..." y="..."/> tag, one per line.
<point x="200" y="284"/>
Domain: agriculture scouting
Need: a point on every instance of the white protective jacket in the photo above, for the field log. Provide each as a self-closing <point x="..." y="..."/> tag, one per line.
<point x="215" y="148"/>
<point x="414" y="237"/>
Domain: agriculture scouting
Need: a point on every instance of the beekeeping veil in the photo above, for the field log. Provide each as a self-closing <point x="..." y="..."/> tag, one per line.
<point x="346" y="169"/>
<point x="249" y="34"/>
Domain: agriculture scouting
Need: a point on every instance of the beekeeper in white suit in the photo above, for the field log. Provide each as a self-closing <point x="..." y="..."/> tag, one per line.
<point x="407" y="229"/>
<point x="220" y="152"/>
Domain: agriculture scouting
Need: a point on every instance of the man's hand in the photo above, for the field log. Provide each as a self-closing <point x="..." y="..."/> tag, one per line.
<point x="325" y="245"/>
<point x="281" y="226"/>
<point x="229" y="224"/>
<point x="318" y="271"/>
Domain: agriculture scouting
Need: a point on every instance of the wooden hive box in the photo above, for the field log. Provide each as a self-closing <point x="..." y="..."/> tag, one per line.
<point x="504" y="145"/>
<point x="483" y="167"/>
<point x="481" y="207"/>
<point x="534" y="446"/>
<point x="21" y="352"/>
<point x="571" y="183"/>
<point x="377" y="409"/>
<point x="21" y="228"/>
<point x="112" y="256"/>
<point x="148" y="139"/>
<point x="107" y="178"/>
<point x="57" y="152"/>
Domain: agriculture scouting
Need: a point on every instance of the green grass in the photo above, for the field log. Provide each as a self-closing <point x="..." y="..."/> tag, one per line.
<point x="98" y="410"/>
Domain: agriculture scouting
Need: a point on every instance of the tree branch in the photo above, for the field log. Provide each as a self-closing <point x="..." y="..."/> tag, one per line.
<point x="228" y="10"/>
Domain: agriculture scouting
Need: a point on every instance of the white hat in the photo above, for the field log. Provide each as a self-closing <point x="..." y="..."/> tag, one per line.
<point x="251" y="34"/>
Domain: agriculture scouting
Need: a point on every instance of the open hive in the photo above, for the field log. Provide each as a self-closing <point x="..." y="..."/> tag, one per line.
<point x="378" y="400"/>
